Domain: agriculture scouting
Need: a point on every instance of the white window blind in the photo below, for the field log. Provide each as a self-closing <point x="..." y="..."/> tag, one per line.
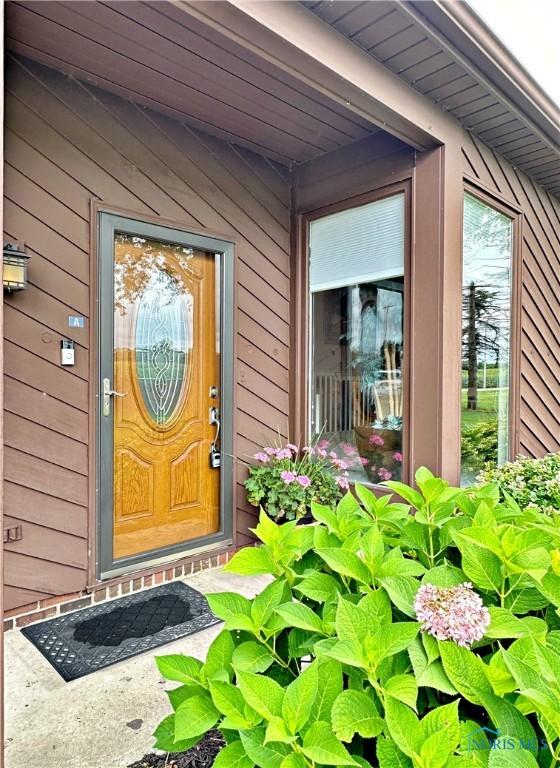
<point x="358" y="245"/>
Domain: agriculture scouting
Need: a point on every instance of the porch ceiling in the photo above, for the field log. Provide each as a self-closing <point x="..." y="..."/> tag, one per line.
<point x="158" y="55"/>
<point x="475" y="80"/>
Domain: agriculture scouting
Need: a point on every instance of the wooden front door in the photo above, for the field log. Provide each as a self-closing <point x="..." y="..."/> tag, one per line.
<point x="166" y="381"/>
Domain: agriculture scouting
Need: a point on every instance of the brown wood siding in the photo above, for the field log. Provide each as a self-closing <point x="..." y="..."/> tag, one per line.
<point x="66" y="144"/>
<point x="539" y="427"/>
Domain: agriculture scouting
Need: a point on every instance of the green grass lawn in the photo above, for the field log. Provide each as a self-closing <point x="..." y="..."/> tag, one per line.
<point x="487" y="407"/>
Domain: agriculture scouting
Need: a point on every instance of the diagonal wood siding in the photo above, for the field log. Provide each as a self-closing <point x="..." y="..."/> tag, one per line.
<point x="540" y="293"/>
<point x="67" y="143"/>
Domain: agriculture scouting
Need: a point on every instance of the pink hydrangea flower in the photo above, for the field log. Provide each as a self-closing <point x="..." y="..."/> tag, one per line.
<point x="322" y="453"/>
<point x="292" y="447"/>
<point x="323" y="444"/>
<point x="283" y="453"/>
<point x="363" y="461"/>
<point x="348" y="449"/>
<point x="376" y="440"/>
<point x="270" y="451"/>
<point x="261" y="456"/>
<point x="287" y="476"/>
<point x="342" y="482"/>
<point x="452" y="613"/>
<point x="397" y="456"/>
<point x="303" y="480"/>
<point x="308" y="449"/>
<point x="384" y="474"/>
<point x="333" y="455"/>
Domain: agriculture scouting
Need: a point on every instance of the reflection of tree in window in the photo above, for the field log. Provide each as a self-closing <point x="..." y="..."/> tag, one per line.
<point x="487" y="249"/>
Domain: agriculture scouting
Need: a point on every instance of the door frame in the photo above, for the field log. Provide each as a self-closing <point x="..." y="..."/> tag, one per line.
<point x="109" y="222"/>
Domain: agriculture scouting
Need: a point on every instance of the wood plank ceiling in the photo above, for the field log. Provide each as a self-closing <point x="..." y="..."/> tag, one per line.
<point x="157" y="55"/>
<point x="393" y="37"/>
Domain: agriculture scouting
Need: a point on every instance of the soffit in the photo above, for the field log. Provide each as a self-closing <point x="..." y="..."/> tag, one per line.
<point x="157" y="55"/>
<point x="404" y="38"/>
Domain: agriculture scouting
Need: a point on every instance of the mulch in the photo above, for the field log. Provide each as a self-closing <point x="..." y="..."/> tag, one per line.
<point x="200" y="756"/>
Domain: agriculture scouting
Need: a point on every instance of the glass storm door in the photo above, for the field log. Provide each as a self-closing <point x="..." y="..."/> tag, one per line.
<point x="162" y="396"/>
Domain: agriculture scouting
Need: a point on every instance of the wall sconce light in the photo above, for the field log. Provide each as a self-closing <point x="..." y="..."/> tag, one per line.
<point x="14" y="271"/>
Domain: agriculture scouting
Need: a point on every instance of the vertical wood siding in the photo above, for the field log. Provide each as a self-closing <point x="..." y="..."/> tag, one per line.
<point x="67" y="143"/>
<point x="540" y="294"/>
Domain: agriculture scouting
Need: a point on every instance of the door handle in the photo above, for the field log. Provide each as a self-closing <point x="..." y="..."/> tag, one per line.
<point x="108" y="393"/>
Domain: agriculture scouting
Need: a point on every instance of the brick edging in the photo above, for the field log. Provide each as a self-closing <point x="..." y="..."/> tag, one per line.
<point x="58" y="605"/>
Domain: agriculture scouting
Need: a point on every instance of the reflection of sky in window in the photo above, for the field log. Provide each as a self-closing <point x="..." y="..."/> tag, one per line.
<point x="165" y="313"/>
<point x="487" y="242"/>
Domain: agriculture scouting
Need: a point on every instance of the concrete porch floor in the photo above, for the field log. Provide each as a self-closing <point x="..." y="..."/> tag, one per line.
<point x="103" y="720"/>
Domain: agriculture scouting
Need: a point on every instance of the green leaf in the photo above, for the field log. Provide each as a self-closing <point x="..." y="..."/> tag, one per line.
<point x="465" y="670"/>
<point x="267" y="530"/>
<point x="390" y="756"/>
<point x="347" y="652"/>
<point x="482" y="538"/>
<point x="294" y="761"/>
<point x="264" y="755"/>
<point x="433" y="676"/>
<point x="195" y="716"/>
<point x="503" y="624"/>
<point x="251" y="561"/>
<point x="354" y="712"/>
<point x="218" y="659"/>
<point x="404" y="688"/>
<point x="178" y="695"/>
<point x="232" y="608"/>
<point x="230" y="702"/>
<point x="512" y="758"/>
<point x="276" y="730"/>
<point x="525" y="600"/>
<point x="402" y="591"/>
<point x="444" y="576"/>
<point x="406" y="492"/>
<point x="329" y="687"/>
<point x="373" y="548"/>
<point x="263" y="694"/>
<point x="346" y="563"/>
<point x="183" y="669"/>
<point x="482" y="568"/>
<point x="299" y="615"/>
<point x="251" y="657"/>
<point x="436" y="750"/>
<point x="233" y="756"/>
<point x="507" y="719"/>
<point x="390" y="640"/>
<point x="404" y="727"/>
<point x="321" y="746"/>
<point x="319" y="587"/>
<point x="377" y="606"/>
<point x="165" y="737"/>
<point x="549" y="587"/>
<point x="299" y="698"/>
<point x="264" y="603"/>
<point x="401" y="566"/>
<point x="352" y="623"/>
<point x="445" y="718"/>
<point x="326" y="516"/>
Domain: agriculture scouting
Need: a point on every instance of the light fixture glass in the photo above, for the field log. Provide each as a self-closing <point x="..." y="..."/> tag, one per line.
<point x="14" y="272"/>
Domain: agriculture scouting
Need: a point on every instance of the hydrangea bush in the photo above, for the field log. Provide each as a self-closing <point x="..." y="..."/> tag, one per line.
<point x="390" y="635"/>
<point x="531" y="482"/>
<point x="286" y="481"/>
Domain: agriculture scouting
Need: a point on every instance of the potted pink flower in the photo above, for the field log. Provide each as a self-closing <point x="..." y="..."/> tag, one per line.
<point x="285" y="480"/>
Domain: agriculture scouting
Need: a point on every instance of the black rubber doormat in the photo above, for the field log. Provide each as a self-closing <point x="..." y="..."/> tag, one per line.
<point x="93" y="638"/>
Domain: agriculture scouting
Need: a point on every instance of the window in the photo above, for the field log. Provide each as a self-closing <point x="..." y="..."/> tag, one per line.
<point x="487" y="291"/>
<point x="356" y="337"/>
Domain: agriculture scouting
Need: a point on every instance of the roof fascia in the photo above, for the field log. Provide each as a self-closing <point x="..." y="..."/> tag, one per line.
<point x="298" y="42"/>
<point x="465" y="37"/>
